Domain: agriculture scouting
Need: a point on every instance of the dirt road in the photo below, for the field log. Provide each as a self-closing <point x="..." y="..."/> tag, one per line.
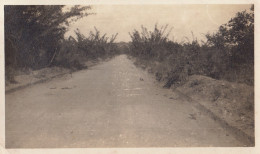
<point x="113" y="104"/>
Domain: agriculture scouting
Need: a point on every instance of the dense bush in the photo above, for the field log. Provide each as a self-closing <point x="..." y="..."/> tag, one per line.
<point x="235" y="41"/>
<point x="227" y="54"/>
<point x="33" y="34"/>
<point x="146" y="43"/>
<point x="74" y="52"/>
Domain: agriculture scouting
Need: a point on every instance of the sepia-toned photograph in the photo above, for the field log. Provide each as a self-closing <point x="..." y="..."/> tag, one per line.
<point x="129" y="76"/>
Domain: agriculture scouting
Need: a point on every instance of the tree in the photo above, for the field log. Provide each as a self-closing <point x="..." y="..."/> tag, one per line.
<point x="237" y="36"/>
<point x="31" y="29"/>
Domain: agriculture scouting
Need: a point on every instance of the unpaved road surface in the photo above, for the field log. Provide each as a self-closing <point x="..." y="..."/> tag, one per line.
<point x="113" y="104"/>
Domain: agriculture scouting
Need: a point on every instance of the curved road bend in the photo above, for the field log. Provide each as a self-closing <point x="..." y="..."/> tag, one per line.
<point x="113" y="104"/>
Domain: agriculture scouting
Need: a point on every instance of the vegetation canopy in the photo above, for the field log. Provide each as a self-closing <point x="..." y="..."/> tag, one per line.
<point x="227" y="54"/>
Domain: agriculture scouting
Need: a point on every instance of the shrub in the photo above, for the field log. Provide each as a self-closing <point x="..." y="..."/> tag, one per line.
<point x="74" y="52"/>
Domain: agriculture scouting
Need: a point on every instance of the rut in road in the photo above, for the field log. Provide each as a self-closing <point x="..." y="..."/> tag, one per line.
<point x="113" y="104"/>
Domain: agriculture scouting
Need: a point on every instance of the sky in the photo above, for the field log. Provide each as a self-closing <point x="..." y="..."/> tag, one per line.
<point x="184" y="20"/>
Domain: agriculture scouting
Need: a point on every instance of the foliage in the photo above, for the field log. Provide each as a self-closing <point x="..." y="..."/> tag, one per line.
<point x="74" y="52"/>
<point x="96" y="44"/>
<point x="146" y="43"/>
<point x="237" y="36"/>
<point x="35" y="32"/>
<point x="227" y="54"/>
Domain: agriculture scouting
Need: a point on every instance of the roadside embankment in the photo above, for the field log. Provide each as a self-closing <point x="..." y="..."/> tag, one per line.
<point x="230" y="103"/>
